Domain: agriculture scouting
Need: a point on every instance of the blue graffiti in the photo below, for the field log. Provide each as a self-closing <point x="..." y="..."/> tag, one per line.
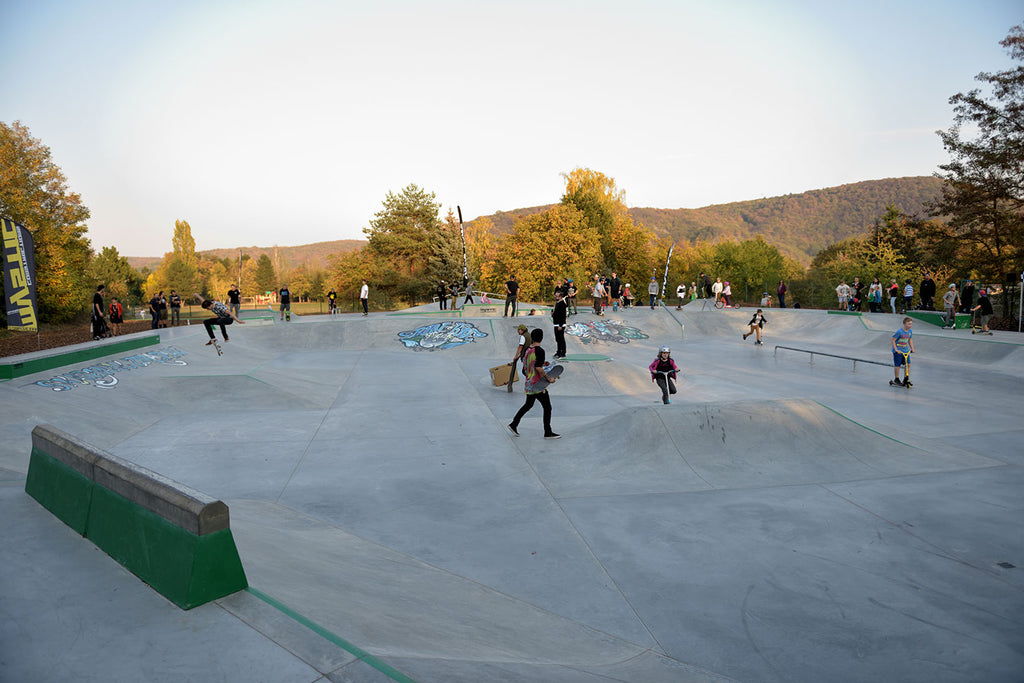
<point x="604" y="330"/>
<point x="439" y="336"/>
<point x="102" y="374"/>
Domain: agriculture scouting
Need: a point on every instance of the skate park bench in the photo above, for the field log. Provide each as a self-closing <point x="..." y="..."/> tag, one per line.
<point x="176" y="539"/>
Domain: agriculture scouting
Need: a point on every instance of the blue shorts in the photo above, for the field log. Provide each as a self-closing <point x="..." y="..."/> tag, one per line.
<point x="897" y="359"/>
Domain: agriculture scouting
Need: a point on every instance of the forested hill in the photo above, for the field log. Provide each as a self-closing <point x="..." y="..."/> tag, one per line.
<point x="312" y="255"/>
<point x="800" y="225"/>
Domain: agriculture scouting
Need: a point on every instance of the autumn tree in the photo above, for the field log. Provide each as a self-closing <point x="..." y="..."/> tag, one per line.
<point x="113" y="270"/>
<point x="183" y="244"/>
<point x="547" y="246"/>
<point x="34" y="193"/>
<point x="603" y="205"/>
<point x="983" y="198"/>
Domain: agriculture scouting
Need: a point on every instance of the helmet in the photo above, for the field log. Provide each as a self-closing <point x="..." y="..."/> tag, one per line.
<point x="664" y="349"/>
<point x="983" y="293"/>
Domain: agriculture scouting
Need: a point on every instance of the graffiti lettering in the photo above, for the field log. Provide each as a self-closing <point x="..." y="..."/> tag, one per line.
<point x="102" y="374"/>
<point x="604" y="331"/>
<point x="439" y="336"/>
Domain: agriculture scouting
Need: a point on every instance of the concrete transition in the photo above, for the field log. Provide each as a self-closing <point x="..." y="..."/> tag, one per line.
<point x="788" y="517"/>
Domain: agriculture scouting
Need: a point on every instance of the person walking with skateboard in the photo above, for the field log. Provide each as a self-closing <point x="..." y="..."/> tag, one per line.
<point x="520" y="351"/>
<point x="224" y="317"/>
<point x="902" y="347"/>
<point x="663" y="372"/>
<point x="534" y="370"/>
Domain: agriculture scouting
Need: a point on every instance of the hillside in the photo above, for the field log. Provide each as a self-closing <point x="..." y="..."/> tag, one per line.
<point x="313" y="255"/>
<point x="800" y="225"/>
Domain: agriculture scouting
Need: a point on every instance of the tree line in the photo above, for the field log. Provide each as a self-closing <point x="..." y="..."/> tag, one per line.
<point x="974" y="230"/>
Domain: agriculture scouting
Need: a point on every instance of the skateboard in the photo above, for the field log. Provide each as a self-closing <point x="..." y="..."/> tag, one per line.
<point x="552" y="371"/>
<point x="216" y="345"/>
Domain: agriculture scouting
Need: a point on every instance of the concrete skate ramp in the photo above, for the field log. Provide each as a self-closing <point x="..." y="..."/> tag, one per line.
<point x="716" y="446"/>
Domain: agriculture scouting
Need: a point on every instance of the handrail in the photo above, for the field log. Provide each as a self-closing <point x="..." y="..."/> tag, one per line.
<point x="830" y="355"/>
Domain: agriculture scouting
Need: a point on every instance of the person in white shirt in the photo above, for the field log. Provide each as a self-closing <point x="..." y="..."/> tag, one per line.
<point x="364" y="297"/>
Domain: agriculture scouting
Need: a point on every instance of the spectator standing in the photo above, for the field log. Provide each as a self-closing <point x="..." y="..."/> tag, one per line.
<point x="908" y="296"/>
<point x="511" y="295"/>
<point x="949" y="301"/>
<point x="967" y="296"/>
<point x="894" y="293"/>
<point x="681" y="295"/>
<point x="781" y="292"/>
<point x="285" y="302"/>
<point x="615" y="290"/>
<point x="843" y="294"/>
<point x="558" y="320"/>
<point x="927" y="293"/>
<point x="234" y="300"/>
<point x="154" y="311"/>
<point x="364" y="298"/>
<point x="571" y="289"/>
<point x="652" y="290"/>
<point x="97" y="313"/>
<point x="175" y="302"/>
<point x="716" y="289"/>
<point x="116" y="315"/>
<point x="598" y="294"/>
<point x="856" y="290"/>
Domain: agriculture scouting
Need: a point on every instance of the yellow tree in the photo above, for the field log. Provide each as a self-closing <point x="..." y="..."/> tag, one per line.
<point x="604" y="206"/>
<point x="546" y="247"/>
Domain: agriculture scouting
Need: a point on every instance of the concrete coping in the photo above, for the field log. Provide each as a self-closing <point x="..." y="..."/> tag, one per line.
<point x="180" y="505"/>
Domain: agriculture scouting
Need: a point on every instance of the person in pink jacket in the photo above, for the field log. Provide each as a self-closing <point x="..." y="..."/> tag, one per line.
<point x="663" y="371"/>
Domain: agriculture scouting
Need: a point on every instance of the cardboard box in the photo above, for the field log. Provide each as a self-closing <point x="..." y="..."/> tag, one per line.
<point x="500" y="375"/>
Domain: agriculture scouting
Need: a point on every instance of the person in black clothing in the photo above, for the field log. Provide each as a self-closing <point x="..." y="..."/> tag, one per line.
<point x="967" y="297"/>
<point x="558" y="318"/>
<point x="98" y="324"/>
<point x="442" y="295"/>
<point x="615" y="290"/>
<point x="927" y="293"/>
<point x="234" y="300"/>
<point x="986" y="312"/>
<point x="154" y="311"/>
<point x="175" y="302"/>
<point x="705" y="281"/>
<point x="533" y="369"/>
<point x="858" y="297"/>
<point x="511" y="295"/>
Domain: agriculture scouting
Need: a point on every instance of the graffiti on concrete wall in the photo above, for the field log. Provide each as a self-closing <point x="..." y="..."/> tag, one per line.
<point x="595" y="331"/>
<point x="103" y="375"/>
<point x="440" y="336"/>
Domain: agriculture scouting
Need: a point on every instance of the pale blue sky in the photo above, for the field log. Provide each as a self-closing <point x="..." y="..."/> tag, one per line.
<point x="267" y="123"/>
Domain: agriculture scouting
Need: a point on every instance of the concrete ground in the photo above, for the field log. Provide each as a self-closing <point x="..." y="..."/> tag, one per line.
<point x="786" y="518"/>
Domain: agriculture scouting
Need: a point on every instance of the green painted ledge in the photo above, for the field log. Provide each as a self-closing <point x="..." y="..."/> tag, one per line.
<point x="81" y="353"/>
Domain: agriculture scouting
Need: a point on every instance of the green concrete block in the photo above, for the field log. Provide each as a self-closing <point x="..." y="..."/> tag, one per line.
<point x="59" y="359"/>
<point x="187" y="569"/>
<point x="60" y="489"/>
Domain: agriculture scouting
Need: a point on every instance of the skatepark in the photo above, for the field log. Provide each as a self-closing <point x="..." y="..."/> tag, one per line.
<point x="788" y="517"/>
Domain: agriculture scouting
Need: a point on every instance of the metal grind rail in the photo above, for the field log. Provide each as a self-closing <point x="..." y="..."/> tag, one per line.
<point x="831" y="355"/>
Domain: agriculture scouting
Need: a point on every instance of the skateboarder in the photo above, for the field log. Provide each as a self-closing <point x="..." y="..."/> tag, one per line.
<point x="663" y="371"/>
<point x="225" y="316"/>
<point x="534" y="370"/>
<point x="756" y="324"/>
<point x="902" y="347"/>
<point x="985" y="306"/>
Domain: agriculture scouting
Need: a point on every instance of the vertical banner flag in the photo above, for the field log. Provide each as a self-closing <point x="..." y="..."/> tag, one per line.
<point x="465" y="261"/>
<point x="664" y="282"/>
<point x="19" y="277"/>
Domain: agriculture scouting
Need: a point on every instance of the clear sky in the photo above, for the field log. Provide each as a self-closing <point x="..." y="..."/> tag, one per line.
<point x="264" y="123"/>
